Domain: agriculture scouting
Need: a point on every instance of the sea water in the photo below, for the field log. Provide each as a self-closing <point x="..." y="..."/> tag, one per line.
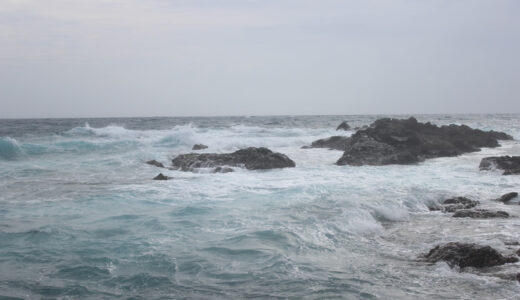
<point x="81" y="217"/>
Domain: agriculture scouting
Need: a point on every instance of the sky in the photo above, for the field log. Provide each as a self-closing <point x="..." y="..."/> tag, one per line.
<point x="122" y="58"/>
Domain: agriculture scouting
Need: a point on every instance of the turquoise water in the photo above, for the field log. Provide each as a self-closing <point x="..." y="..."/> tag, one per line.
<point x="80" y="216"/>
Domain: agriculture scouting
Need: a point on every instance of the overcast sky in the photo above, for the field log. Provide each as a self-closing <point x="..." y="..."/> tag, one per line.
<point x="98" y="58"/>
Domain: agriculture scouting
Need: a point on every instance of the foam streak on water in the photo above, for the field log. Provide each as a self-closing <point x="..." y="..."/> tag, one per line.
<point x="81" y="217"/>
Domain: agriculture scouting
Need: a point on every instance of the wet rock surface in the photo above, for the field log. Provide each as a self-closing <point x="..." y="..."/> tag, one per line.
<point x="343" y="126"/>
<point x="161" y="176"/>
<point x="199" y="147"/>
<point x="480" y="214"/>
<point x="468" y="255"/>
<point x="250" y="158"/>
<point x="507" y="197"/>
<point x="510" y="164"/>
<point x="155" y="163"/>
<point x="406" y="141"/>
<point x="333" y="142"/>
<point x="454" y="204"/>
<point x="223" y="170"/>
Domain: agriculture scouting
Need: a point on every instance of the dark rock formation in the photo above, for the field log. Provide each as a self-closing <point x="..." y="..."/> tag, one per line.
<point x="343" y="126"/>
<point x="161" y="176"/>
<point x="223" y="170"/>
<point x="468" y="255"/>
<point x="480" y="214"/>
<point x="251" y="158"/>
<point x="199" y="147"/>
<point x="361" y="128"/>
<point x="510" y="164"/>
<point x="395" y="141"/>
<point x="454" y="204"/>
<point x="507" y="197"/>
<point x="155" y="163"/>
<point x="333" y="142"/>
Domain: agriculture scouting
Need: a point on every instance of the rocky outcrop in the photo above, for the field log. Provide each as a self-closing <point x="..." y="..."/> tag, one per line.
<point x="480" y="214"/>
<point x="161" y="176"/>
<point x="507" y="197"/>
<point x="467" y="255"/>
<point x="454" y="204"/>
<point x="251" y="158"/>
<point x="199" y="147"/>
<point x="155" y="163"/>
<point x="510" y="164"/>
<point x="333" y="142"/>
<point x="406" y="141"/>
<point x="343" y="126"/>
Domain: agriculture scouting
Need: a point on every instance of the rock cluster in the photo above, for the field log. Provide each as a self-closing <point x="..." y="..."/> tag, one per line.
<point x="480" y="214"/>
<point x="454" y="204"/>
<point x="406" y="141"/>
<point x="468" y="255"/>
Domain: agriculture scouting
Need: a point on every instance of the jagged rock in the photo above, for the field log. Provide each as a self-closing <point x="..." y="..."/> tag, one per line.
<point x="223" y="170"/>
<point x="161" y="176"/>
<point x="510" y="164"/>
<point x="155" y="163"/>
<point x="343" y="126"/>
<point x="333" y="142"/>
<point x="507" y="197"/>
<point x="396" y="141"/>
<point x="480" y="214"/>
<point x="468" y="255"/>
<point x="361" y="128"/>
<point x="457" y="203"/>
<point x="251" y="158"/>
<point x="199" y="147"/>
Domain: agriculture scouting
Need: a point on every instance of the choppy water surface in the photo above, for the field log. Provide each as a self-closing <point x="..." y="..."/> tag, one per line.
<point x="80" y="216"/>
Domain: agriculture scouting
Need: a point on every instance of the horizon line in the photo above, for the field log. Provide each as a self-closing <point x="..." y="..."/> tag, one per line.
<point x="249" y="116"/>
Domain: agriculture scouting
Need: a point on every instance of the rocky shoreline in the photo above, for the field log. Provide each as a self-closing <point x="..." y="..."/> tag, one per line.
<point x="407" y="141"/>
<point x="384" y="142"/>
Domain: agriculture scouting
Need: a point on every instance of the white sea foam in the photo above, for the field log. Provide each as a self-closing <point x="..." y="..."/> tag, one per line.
<point x="339" y="228"/>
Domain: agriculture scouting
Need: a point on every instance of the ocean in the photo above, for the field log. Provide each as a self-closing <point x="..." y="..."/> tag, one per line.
<point x="81" y="217"/>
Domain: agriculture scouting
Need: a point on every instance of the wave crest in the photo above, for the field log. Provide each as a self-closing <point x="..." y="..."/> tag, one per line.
<point x="9" y="148"/>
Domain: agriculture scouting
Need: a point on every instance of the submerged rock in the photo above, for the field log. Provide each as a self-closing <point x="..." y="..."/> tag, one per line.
<point x="155" y="163"/>
<point x="223" y="170"/>
<point x="343" y="126"/>
<point x="199" y="147"/>
<point x="397" y="141"/>
<point x="454" y="204"/>
<point x="251" y="158"/>
<point x="468" y="255"/>
<point x="510" y="164"/>
<point x="480" y="214"/>
<point x="361" y="128"/>
<point x="507" y="197"/>
<point x="161" y="176"/>
<point x="333" y="142"/>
